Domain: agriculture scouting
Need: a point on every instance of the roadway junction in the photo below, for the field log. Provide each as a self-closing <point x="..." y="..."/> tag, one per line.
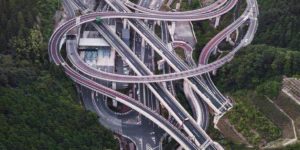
<point x="187" y="130"/>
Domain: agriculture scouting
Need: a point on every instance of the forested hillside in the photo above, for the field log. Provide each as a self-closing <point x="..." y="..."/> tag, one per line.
<point x="257" y="64"/>
<point x="279" y="23"/>
<point x="255" y="74"/>
<point x="38" y="105"/>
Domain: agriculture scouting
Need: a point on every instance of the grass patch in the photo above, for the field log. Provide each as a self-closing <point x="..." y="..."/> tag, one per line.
<point x="180" y="52"/>
<point x="185" y="5"/>
<point x="274" y="114"/>
<point x="291" y="108"/>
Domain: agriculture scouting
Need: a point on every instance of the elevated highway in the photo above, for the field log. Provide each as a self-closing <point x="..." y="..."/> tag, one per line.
<point x="142" y="133"/>
<point x="189" y="125"/>
<point x="70" y="24"/>
<point x="202" y="116"/>
<point x="216" y="6"/>
<point x="164" y="96"/>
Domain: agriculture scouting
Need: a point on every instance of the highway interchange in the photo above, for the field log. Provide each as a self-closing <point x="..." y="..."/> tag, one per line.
<point x="192" y="135"/>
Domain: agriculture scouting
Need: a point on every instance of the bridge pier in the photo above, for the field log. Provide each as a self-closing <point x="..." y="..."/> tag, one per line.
<point x="77" y="20"/>
<point x="215" y="50"/>
<point x="214" y="72"/>
<point x="62" y="41"/>
<point x="158" y="22"/>
<point x="237" y="34"/>
<point x="125" y="24"/>
<point x="143" y="43"/>
<point x="172" y="30"/>
<point x="229" y="40"/>
<point x="217" y="21"/>
<point x="161" y="64"/>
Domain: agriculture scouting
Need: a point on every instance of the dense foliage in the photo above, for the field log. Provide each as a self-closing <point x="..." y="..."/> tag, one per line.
<point x="189" y="5"/>
<point x="279" y="23"/>
<point x="23" y="21"/>
<point x="256" y="72"/>
<point x="257" y="64"/>
<point x="43" y="115"/>
<point x="38" y="108"/>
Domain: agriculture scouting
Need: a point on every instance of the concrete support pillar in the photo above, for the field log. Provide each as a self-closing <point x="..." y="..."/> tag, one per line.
<point x="125" y="23"/>
<point x="214" y="72"/>
<point x="143" y="43"/>
<point x="78" y="33"/>
<point x="77" y="20"/>
<point x="237" y="34"/>
<point x="164" y="84"/>
<point x="144" y="94"/>
<point x="217" y="21"/>
<point x="172" y="30"/>
<point x="170" y="47"/>
<point x="215" y="50"/>
<point x="114" y="87"/>
<point x="161" y="64"/>
<point x="158" y="22"/>
<point x="173" y="26"/>
<point x="229" y="39"/>
<point x="64" y="38"/>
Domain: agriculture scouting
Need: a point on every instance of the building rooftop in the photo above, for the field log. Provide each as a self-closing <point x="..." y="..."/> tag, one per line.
<point x="93" y="42"/>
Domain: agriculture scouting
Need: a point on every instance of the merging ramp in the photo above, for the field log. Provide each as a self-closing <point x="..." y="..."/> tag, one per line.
<point x="200" y="140"/>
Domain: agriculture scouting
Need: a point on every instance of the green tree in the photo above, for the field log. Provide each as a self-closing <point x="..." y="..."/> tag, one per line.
<point x="269" y="88"/>
<point x="35" y="43"/>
